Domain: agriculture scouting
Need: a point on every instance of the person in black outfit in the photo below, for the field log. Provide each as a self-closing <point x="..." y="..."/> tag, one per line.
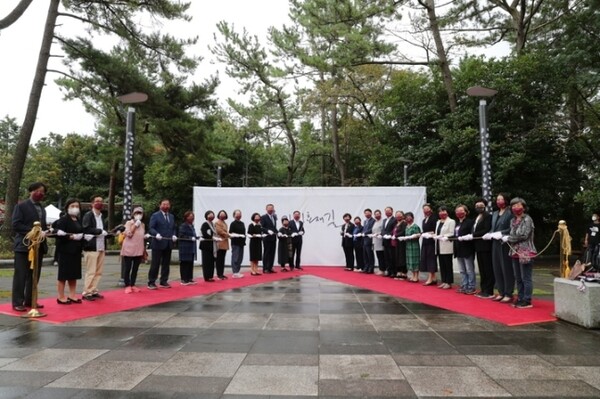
<point x="285" y="245"/>
<point x="400" y="257"/>
<point x="357" y="241"/>
<point x="24" y="215"/>
<point x="237" y="232"/>
<point x="297" y="227"/>
<point x="591" y="241"/>
<point x="69" y="245"/>
<point x="268" y="222"/>
<point x="483" y="250"/>
<point x="389" y="223"/>
<point x="255" y="234"/>
<point x="347" y="241"/>
<point x="428" y="259"/>
<point x="208" y="247"/>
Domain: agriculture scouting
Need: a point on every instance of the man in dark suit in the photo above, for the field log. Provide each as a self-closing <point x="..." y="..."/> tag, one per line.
<point x="24" y="215"/>
<point x="388" y="251"/>
<point x="368" y="254"/>
<point x="268" y="222"/>
<point x="297" y="228"/>
<point x="162" y="228"/>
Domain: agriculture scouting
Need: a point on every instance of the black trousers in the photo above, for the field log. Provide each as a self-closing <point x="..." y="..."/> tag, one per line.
<point x="381" y="260"/>
<point x="269" y="248"/>
<point x="220" y="262"/>
<point x="208" y="263"/>
<point x="186" y="270"/>
<point x="296" y="253"/>
<point x="359" y="255"/>
<point x="349" y="255"/>
<point x="486" y="272"/>
<point x="23" y="278"/>
<point x="130" y="266"/>
<point x="401" y="258"/>
<point x="369" y="258"/>
<point x="161" y="258"/>
<point x="389" y="256"/>
<point x="446" y="272"/>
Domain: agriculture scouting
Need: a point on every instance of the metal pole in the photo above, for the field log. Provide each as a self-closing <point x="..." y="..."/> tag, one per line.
<point x="128" y="184"/>
<point x="219" y="176"/>
<point x="405" y="175"/>
<point x="486" y="169"/>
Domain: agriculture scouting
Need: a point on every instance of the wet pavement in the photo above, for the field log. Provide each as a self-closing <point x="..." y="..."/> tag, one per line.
<point x="304" y="337"/>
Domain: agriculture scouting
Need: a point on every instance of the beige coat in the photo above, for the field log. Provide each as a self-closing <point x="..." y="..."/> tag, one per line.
<point x="222" y="232"/>
<point x="446" y="247"/>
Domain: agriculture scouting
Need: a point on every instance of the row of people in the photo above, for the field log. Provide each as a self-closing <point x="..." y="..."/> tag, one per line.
<point x="502" y="243"/>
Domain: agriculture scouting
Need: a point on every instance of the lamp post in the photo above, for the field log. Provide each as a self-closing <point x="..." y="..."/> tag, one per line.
<point x="406" y="162"/>
<point x="486" y="169"/>
<point x="131" y="98"/>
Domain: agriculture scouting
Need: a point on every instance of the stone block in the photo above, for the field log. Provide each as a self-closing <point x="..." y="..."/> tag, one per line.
<point x="575" y="306"/>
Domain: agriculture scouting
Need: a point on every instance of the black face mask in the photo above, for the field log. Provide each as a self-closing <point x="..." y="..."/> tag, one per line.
<point x="479" y="210"/>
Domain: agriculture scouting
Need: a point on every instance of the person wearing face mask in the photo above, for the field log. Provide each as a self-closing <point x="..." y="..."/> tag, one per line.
<point x="237" y="232"/>
<point x="162" y="229"/>
<point x="268" y="221"/>
<point x="444" y="228"/>
<point x="504" y="276"/>
<point x="522" y="251"/>
<point x="94" y="249"/>
<point x="483" y="250"/>
<point x="368" y="254"/>
<point x="256" y="250"/>
<point x="591" y="241"/>
<point x="347" y="241"/>
<point x="132" y="250"/>
<point x="208" y="247"/>
<point x="187" y="249"/>
<point x="357" y="242"/>
<point x="377" y="232"/>
<point x="222" y="238"/>
<point x="25" y="214"/>
<point x="413" y="250"/>
<point x="400" y="272"/>
<point x="284" y="253"/>
<point x="69" y="244"/>
<point x="464" y="250"/>
<point x="428" y="258"/>
<point x="297" y="227"/>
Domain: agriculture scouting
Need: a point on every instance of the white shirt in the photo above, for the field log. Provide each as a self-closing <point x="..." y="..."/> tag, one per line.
<point x="100" y="238"/>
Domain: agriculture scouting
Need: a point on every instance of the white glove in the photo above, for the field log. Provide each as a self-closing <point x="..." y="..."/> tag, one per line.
<point x="387" y="236"/>
<point x="427" y="235"/>
<point x="138" y="223"/>
<point x="249" y="235"/>
<point x="279" y="235"/>
<point x="146" y="235"/>
<point x="487" y="236"/>
<point x="60" y="233"/>
<point x="443" y="238"/>
<point x="348" y="235"/>
<point x="174" y="238"/>
<point x="270" y="232"/>
<point x="300" y="233"/>
<point x="263" y="235"/>
<point x="88" y="237"/>
<point x="158" y="237"/>
<point x="78" y="237"/>
<point x="360" y="235"/>
<point x="468" y="237"/>
<point x="401" y="238"/>
<point x="209" y="232"/>
<point x="460" y="238"/>
<point x="104" y="233"/>
<point x="497" y="235"/>
<point x="504" y="238"/>
<point x="294" y="234"/>
<point x="217" y="239"/>
<point x="194" y="239"/>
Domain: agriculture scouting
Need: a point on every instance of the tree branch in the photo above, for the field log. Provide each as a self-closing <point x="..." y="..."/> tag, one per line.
<point x="15" y="14"/>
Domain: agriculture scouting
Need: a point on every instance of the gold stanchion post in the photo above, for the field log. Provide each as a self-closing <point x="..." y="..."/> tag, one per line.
<point x="34" y="239"/>
<point x="565" y="249"/>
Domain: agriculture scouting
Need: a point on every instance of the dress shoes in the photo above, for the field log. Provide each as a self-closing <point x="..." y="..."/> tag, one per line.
<point x="67" y="302"/>
<point x="299" y="268"/>
<point x="20" y="308"/>
<point x="97" y="295"/>
<point x="74" y="300"/>
<point x="89" y="297"/>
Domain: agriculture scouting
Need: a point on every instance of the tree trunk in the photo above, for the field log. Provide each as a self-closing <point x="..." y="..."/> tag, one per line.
<point x="335" y="140"/>
<point x="441" y="53"/>
<point x="20" y="155"/>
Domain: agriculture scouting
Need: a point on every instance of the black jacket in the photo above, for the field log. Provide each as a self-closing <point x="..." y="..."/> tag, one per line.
<point x="463" y="249"/>
<point x="89" y="227"/>
<point x="23" y="217"/>
<point x="481" y="228"/>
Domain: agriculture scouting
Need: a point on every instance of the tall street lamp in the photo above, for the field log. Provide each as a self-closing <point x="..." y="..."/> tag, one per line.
<point x="131" y="98"/>
<point x="486" y="170"/>
<point x="406" y="162"/>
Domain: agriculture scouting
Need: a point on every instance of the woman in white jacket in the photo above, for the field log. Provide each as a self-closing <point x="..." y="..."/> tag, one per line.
<point x="444" y="248"/>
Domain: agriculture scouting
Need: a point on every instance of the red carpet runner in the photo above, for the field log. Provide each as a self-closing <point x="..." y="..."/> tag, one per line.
<point x="117" y="300"/>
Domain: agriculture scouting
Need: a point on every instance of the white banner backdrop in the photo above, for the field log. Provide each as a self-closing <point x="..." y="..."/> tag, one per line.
<point x="322" y="209"/>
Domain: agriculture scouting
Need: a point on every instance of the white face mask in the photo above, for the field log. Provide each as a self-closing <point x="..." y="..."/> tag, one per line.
<point x="73" y="211"/>
<point x="594" y="218"/>
<point x="138" y="217"/>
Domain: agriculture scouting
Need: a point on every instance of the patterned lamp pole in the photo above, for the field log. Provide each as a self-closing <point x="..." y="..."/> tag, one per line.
<point x="486" y="169"/>
<point x="131" y="98"/>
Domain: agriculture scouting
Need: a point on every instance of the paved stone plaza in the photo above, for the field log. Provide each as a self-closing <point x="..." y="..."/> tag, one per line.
<point x="304" y="337"/>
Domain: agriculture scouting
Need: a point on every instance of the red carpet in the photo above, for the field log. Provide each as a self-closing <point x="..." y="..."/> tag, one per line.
<point x="117" y="300"/>
<point x="542" y="311"/>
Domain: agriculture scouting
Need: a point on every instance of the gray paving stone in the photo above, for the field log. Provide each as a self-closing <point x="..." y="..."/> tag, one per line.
<point x="591" y="375"/>
<point x="182" y="384"/>
<point x="192" y="364"/>
<point x="550" y="388"/>
<point x="361" y="388"/>
<point x="261" y="359"/>
<point x="432" y="360"/>
<point x="275" y="380"/>
<point x="27" y="378"/>
<point x="365" y="367"/>
<point x="452" y="381"/>
<point x="528" y="367"/>
<point x="56" y="360"/>
<point x="283" y="322"/>
<point x="354" y="322"/>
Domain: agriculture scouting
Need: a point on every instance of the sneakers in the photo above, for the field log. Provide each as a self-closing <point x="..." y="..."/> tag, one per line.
<point x="128" y="290"/>
<point x="165" y="285"/>
<point x="522" y="305"/>
<point x="192" y="282"/>
<point x="185" y="282"/>
<point x="506" y="299"/>
<point x="135" y="289"/>
<point x="469" y="292"/>
<point x="152" y="286"/>
<point x="483" y="295"/>
<point x="221" y="277"/>
<point x="88" y="297"/>
<point x="237" y="275"/>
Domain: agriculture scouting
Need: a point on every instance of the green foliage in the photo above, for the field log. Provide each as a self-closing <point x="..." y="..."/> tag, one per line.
<point x="9" y="130"/>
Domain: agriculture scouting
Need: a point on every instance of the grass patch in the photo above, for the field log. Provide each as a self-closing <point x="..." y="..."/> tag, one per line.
<point x="5" y="294"/>
<point x="539" y="291"/>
